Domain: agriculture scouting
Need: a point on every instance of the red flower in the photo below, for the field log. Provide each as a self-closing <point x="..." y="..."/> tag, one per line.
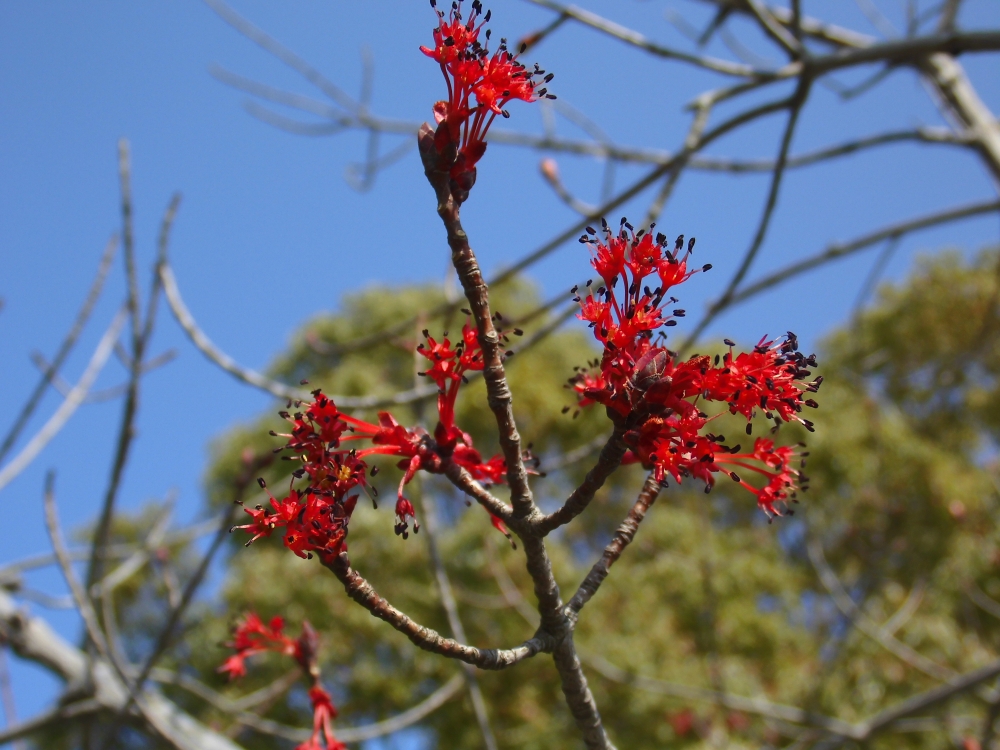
<point x="251" y="636"/>
<point x="472" y="73"/>
<point x="658" y="396"/>
<point x="323" y="714"/>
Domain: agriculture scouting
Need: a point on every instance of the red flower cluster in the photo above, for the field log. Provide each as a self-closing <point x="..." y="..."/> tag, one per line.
<point x="251" y="636"/>
<point x="470" y="71"/>
<point x="656" y="396"/>
<point x="315" y="518"/>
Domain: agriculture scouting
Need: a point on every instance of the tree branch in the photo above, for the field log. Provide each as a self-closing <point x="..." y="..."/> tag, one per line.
<point x="69" y="405"/>
<point x="840" y="250"/>
<point x="429" y="640"/>
<point x="463" y="480"/>
<point x="622" y="538"/>
<point x="850" y="610"/>
<point x="795" y="108"/>
<point x="237" y="710"/>
<point x="65" y="348"/>
<point x="635" y="39"/>
<point x="609" y="460"/>
<point x="430" y="529"/>
<point x="31" y="638"/>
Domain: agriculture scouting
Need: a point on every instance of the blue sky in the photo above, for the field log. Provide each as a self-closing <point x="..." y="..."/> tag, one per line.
<point x="269" y="233"/>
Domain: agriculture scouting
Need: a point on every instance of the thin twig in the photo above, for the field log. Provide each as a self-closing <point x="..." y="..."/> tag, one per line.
<point x="272" y="46"/>
<point x="840" y="250"/>
<point x="430" y="529"/>
<point x="96" y="286"/>
<point x="539" y="253"/>
<point x="237" y="710"/>
<point x="874" y="275"/>
<point x="772" y="28"/>
<point x="142" y="331"/>
<point x="106" y="394"/>
<point x="166" y="633"/>
<point x="756" y="706"/>
<point x="988" y="604"/>
<point x="636" y="39"/>
<point x="69" y="405"/>
<point x="850" y="610"/>
<point x="609" y="460"/>
<point x="429" y="640"/>
<point x="795" y="108"/>
<point x="622" y="538"/>
<point x="92" y="625"/>
<point x="251" y="377"/>
<point x="58" y="715"/>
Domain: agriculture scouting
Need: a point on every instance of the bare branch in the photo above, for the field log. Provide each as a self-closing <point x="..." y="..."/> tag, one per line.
<point x="840" y="250"/>
<point x="139" y="558"/>
<point x="278" y="50"/>
<point x="166" y="634"/>
<point x="946" y="22"/>
<point x="636" y="39"/>
<point x="31" y="638"/>
<point x="577" y="454"/>
<point x="362" y="733"/>
<point x="536" y="255"/>
<point x="907" y="609"/>
<point x="463" y="480"/>
<point x="92" y="625"/>
<point x="877" y="19"/>
<point x="795" y="108"/>
<point x="610" y="459"/>
<point x="874" y="275"/>
<point x="622" y="538"/>
<point x="920" y="135"/>
<point x="69" y="405"/>
<point x="430" y="528"/>
<point x="106" y="394"/>
<point x="927" y="700"/>
<point x="250" y="377"/>
<point x="44" y="720"/>
<point x="142" y="331"/>
<point x="64" y="348"/>
<point x="7" y="697"/>
<point x="986" y="603"/>
<point x="429" y="640"/>
<point x="756" y="706"/>
<point x="957" y="94"/>
<point x="847" y="606"/>
<point x="549" y="169"/>
<point x="128" y="240"/>
<point x="770" y="26"/>
<point x="698" y="125"/>
<point x="498" y="395"/>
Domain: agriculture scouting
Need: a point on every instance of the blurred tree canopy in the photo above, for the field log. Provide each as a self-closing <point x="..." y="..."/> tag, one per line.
<point x="884" y="584"/>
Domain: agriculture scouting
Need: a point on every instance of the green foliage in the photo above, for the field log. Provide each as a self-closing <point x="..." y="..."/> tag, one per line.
<point x="902" y="508"/>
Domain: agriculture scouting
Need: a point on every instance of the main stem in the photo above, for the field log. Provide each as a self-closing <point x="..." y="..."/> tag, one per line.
<point x="554" y="619"/>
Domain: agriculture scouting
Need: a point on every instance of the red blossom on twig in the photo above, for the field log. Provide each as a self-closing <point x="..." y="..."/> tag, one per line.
<point x="316" y="517"/>
<point x="251" y="636"/>
<point x="655" y="396"/>
<point x="480" y="84"/>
